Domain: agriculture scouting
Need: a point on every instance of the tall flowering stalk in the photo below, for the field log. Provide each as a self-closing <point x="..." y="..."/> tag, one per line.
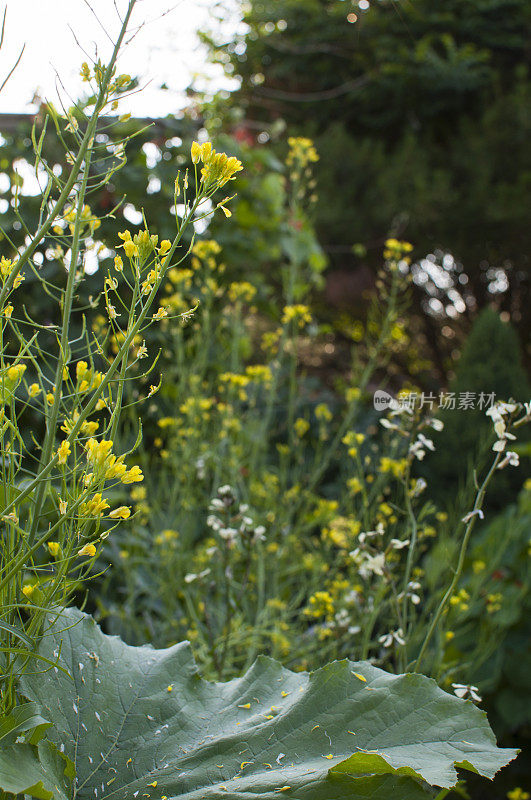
<point x="55" y="494"/>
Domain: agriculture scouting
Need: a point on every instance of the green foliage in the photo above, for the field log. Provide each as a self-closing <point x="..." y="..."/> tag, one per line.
<point x="490" y="362"/>
<point x="419" y="112"/>
<point x="491" y="641"/>
<point x="348" y="730"/>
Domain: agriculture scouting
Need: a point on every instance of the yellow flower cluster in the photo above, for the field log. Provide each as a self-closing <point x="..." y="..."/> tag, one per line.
<point x="297" y="312"/>
<point x="352" y="440"/>
<point x="395" y="250"/>
<point x="342" y="532"/>
<point x="396" y="467"/>
<point x="6" y="268"/>
<point x="218" y="167"/>
<point x="108" y="466"/>
<point x="460" y="600"/>
<point x="323" y="413"/>
<point x="86" y="378"/>
<point x="321" y="605"/>
<point x="87" y="217"/>
<point x="241" y="290"/>
<point x="494" y="602"/>
<point x="260" y="373"/>
<point x="140" y="245"/>
<point x="166" y="536"/>
<point x="301" y="151"/>
<point x="205" y="249"/>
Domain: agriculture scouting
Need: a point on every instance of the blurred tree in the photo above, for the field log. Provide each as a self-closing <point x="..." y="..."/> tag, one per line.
<point x="420" y="113"/>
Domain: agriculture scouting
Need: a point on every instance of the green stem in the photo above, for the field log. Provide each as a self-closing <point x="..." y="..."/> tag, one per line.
<point x="460" y="563"/>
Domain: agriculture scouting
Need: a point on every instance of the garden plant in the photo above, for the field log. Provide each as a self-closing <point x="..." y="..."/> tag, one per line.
<point x="170" y="472"/>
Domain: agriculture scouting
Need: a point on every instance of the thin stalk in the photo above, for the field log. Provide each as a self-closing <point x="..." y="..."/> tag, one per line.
<point x="460" y="562"/>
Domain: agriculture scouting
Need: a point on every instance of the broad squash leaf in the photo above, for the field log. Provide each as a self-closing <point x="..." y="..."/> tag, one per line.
<point x="139" y="722"/>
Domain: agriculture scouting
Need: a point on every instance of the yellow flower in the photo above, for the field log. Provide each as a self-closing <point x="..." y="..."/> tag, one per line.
<point x="94" y="507"/>
<point x="354" y="485"/>
<point x="16" y="372"/>
<point x="518" y="794"/>
<point x="82" y="370"/>
<point x="49" y="398"/>
<point x="98" y="452"/>
<point x="115" y="468"/>
<point x="161" y="313"/>
<point x="54" y="548"/>
<point x="87" y="550"/>
<point x="89" y="428"/>
<point x="118" y="264"/>
<point x="130" y="249"/>
<point x="8" y="310"/>
<point x="28" y="590"/>
<point x="301" y="426"/>
<point x="63" y="451"/>
<point x="123" y="512"/>
<point x="134" y="475"/>
<point x="34" y="390"/>
<point x="85" y="71"/>
<point x="165" y="245"/>
<point x="196" y="152"/>
<point x="323" y="413"/>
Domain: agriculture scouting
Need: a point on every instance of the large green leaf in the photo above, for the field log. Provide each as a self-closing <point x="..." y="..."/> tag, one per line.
<point x="139" y="722"/>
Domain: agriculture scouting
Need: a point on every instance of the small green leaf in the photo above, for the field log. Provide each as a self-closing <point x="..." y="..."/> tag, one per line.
<point x="23" y="718"/>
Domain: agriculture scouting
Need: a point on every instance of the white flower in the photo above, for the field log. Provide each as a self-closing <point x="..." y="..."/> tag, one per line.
<point x="367" y="535"/>
<point x="389" y="425"/>
<point x="499" y="446"/>
<point x="372" y="565"/>
<point x="192" y="576"/>
<point x="436" y="424"/>
<point x="511" y="458"/>
<point x="413" y="588"/>
<point x="426" y="442"/>
<point x="398" y="544"/>
<point x="462" y="690"/>
<point x="419" y="487"/>
<point x="216" y="504"/>
<point x="213" y="522"/>
<point x="259" y="533"/>
<point x="228" y="534"/>
<point x="342" y="617"/>
<point x="393" y="636"/>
